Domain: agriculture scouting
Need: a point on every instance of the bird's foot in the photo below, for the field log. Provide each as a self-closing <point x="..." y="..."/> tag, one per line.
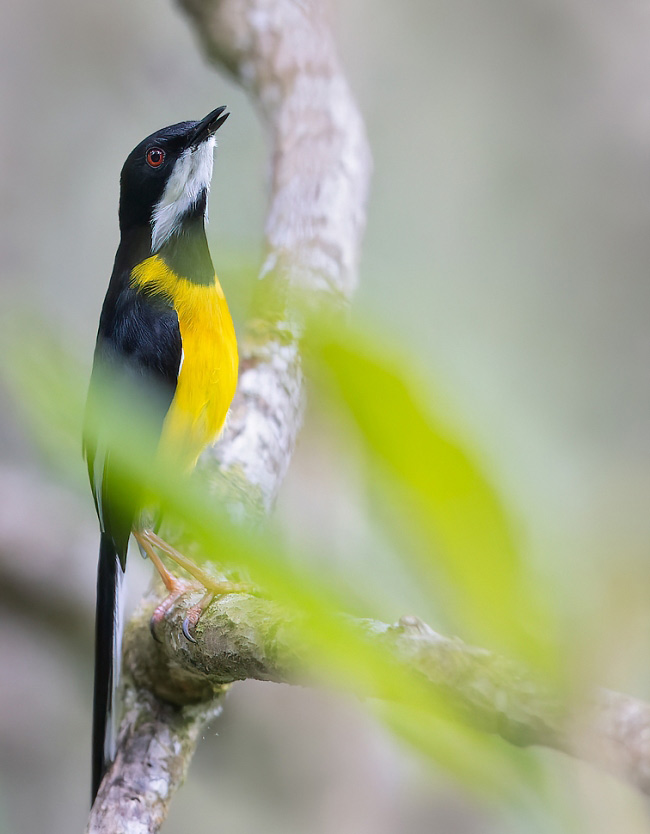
<point x="210" y="586"/>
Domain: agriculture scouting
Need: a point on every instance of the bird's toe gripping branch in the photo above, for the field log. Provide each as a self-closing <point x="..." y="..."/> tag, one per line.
<point x="194" y="615"/>
<point x="150" y="542"/>
<point x="180" y="589"/>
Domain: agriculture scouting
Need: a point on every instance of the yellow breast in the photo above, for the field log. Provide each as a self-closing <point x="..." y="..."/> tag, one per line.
<point x="208" y="374"/>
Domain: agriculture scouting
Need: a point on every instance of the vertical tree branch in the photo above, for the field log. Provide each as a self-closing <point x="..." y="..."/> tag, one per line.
<point x="284" y="55"/>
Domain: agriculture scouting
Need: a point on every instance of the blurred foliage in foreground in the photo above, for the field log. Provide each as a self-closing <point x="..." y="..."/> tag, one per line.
<point x="432" y="498"/>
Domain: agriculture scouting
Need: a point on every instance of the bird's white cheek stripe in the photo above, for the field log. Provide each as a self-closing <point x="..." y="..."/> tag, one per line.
<point x="192" y="173"/>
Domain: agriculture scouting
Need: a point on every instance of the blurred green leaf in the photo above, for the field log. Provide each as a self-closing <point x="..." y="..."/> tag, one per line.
<point x="445" y="513"/>
<point x="51" y="390"/>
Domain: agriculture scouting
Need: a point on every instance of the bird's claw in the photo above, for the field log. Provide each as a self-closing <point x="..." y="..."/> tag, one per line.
<point x="194" y="615"/>
<point x="181" y="587"/>
<point x="186" y="630"/>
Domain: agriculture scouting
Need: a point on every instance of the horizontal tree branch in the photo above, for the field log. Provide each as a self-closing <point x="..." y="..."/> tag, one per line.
<point x="243" y="636"/>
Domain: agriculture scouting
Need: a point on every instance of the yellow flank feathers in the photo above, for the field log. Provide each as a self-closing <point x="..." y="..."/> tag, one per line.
<point x="208" y="374"/>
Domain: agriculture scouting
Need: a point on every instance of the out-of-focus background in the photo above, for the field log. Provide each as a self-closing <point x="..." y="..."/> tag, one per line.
<point x="507" y="248"/>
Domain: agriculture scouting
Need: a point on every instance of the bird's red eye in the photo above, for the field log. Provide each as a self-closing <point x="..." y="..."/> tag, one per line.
<point x="155" y="157"/>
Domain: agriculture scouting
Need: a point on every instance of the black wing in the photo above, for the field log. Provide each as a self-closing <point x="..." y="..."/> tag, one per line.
<point x="138" y="341"/>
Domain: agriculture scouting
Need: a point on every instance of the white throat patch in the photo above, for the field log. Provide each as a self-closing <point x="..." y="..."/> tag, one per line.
<point x="192" y="173"/>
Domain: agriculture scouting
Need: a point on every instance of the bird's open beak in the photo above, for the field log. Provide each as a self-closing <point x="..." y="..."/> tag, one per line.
<point x="207" y="127"/>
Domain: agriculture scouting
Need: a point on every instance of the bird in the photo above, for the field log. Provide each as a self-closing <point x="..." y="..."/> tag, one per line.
<point x="166" y="329"/>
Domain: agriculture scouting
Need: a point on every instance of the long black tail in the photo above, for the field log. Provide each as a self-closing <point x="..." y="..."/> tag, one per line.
<point x="108" y="651"/>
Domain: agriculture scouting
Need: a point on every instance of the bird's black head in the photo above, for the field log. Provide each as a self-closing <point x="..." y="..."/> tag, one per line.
<point x="166" y="178"/>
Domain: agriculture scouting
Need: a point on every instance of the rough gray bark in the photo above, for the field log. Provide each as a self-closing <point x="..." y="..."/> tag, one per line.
<point x="283" y="53"/>
<point x="154" y="750"/>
